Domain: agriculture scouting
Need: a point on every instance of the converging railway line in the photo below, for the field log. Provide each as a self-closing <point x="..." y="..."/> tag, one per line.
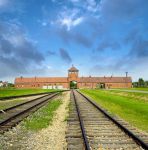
<point x="11" y="116"/>
<point x="91" y="128"/>
<point x="23" y="96"/>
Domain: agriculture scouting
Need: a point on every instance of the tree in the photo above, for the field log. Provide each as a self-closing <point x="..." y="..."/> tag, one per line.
<point x="135" y="84"/>
<point x="141" y="82"/>
<point x="146" y="83"/>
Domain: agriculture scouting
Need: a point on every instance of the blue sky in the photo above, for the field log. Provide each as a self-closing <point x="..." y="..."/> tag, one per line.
<point x="100" y="37"/>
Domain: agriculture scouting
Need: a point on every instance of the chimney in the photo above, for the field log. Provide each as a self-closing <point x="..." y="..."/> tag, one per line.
<point x="126" y="74"/>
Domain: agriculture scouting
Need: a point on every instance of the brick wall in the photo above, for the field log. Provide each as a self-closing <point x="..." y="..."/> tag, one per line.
<point x="40" y="85"/>
<point x="107" y="85"/>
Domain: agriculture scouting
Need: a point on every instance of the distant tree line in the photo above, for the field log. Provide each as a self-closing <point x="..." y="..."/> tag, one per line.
<point x="140" y="83"/>
<point x="6" y="84"/>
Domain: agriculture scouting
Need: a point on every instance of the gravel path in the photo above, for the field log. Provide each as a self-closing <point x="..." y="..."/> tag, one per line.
<point x="51" y="138"/>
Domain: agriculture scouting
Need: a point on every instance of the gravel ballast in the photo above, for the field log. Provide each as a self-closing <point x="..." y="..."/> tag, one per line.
<point x="50" y="138"/>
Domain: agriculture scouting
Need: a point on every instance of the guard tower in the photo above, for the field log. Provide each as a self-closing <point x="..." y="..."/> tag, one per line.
<point x="73" y="74"/>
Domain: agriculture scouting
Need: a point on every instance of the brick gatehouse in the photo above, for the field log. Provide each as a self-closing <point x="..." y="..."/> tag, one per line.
<point x="73" y="81"/>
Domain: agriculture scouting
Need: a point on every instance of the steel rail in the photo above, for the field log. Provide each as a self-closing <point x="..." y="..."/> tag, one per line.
<point x="138" y="140"/>
<point x="19" y="96"/>
<point x="87" y="146"/>
<point x="27" y="95"/>
<point x="2" y="123"/>
<point x="23" y="103"/>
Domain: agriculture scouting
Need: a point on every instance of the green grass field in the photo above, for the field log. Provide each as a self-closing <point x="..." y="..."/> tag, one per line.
<point x="139" y="89"/>
<point x="131" y="108"/>
<point x="43" y="117"/>
<point x="133" y="95"/>
<point x="17" y="92"/>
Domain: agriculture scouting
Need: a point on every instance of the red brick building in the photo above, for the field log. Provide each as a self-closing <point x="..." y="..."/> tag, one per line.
<point x="73" y="80"/>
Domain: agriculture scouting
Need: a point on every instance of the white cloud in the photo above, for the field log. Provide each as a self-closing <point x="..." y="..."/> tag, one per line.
<point x="77" y="21"/>
<point x="92" y="6"/>
<point x="69" y="19"/>
<point x="69" y="22"/>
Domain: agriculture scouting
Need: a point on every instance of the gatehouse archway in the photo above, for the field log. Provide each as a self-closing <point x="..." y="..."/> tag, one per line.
<point x="73" y="84"/>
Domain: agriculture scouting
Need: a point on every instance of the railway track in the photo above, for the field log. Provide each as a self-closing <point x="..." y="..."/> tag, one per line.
<point x="22" y="103"/>
<point x="13" y="115"/>
<point x="26" y="95"/>
<point x="91" y="128"/>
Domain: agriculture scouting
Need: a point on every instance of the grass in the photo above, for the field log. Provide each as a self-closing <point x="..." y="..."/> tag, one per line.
<point x="136" y="96"/>
<point x="67" y="108"/>
<point x="17" y="92"/>
<point x="139" y="89"/>
<point x="131" y="109"/>
<point x="43" y="117"/>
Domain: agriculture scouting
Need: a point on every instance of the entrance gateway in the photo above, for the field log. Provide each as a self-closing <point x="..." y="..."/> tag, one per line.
<point x="73" y="80"/>
<point x="73" y="84"/>
<point x="73" y="77"/>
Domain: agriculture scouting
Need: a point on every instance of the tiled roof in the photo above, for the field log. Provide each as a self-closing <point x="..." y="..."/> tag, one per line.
<point x="41" y="79"/>
<point x="73" y="69"/>
<point x="106" y="79"/>
<point x="81" y="79"/>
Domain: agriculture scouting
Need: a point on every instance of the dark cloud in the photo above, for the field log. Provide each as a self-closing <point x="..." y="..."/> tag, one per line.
<point x="108" y="44"/>
<point x="134" y="61"/>
<point x="11" y="66"/>
<point x="126" y="19"/>
<point x="138" y="44"/>
<point x="65" y="55"/>
<point x="17" y="52"/>
<point x="71" y="36"/>
<point x="139" y="48"/>
<point x="6" y="47"/>
<point x="83" y="40"/>
<point x="12" y="6"/>
<point x="49" y="52"/>
<point x="121" y="10"/>
<point x="131" y="36"/>
<point x="106" y="70"/>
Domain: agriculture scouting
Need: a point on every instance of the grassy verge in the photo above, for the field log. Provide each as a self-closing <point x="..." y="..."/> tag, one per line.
<point x="141" y="89"/>
<point x="138" y="89"/>
<point x="17" y="92"/>
<point x="67" y="108"/>
<point x="43" y="117"/>
<point x="130" y="109"/>
<point x="133" y="95"/>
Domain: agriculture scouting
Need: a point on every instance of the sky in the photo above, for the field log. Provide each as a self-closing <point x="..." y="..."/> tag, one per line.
<point x="99" y="37"/>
